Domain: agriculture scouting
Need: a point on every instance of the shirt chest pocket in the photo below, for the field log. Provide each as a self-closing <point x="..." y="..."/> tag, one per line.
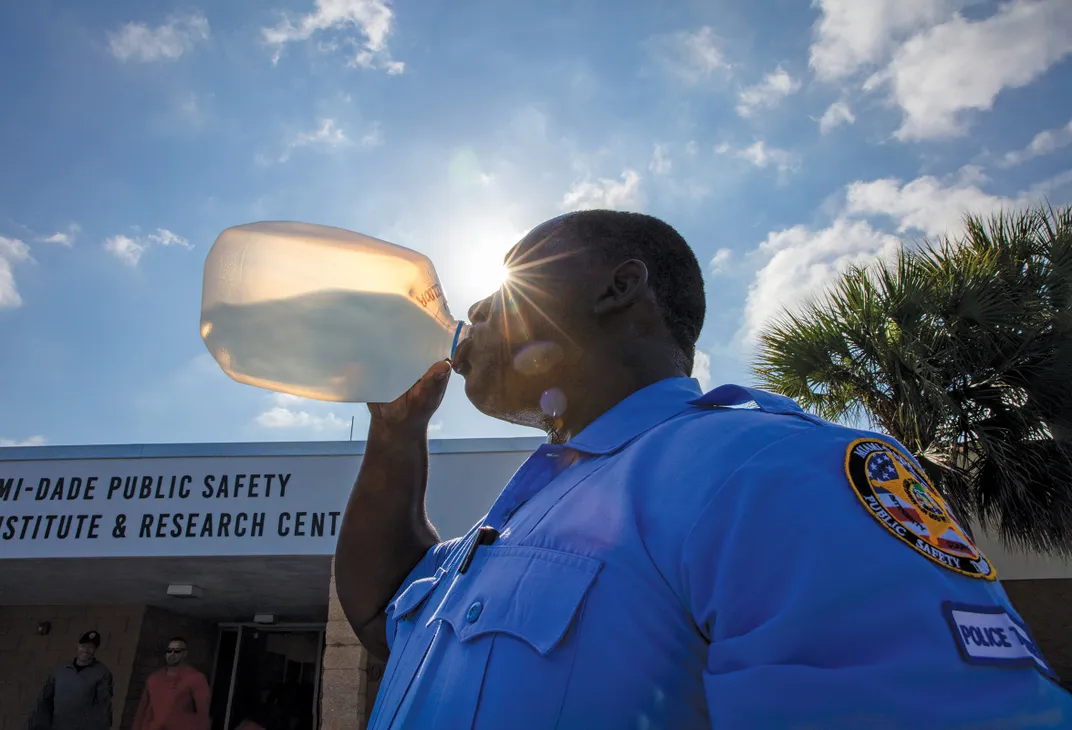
<point x="515" y="608"/>
<point x="531" y="594"/>
<point x="405" y="609"/>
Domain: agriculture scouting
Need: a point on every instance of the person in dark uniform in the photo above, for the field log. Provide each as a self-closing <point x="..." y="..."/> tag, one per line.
<point x="77" y="694"/>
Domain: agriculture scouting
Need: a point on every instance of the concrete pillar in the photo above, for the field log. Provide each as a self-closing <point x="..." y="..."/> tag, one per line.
<point x="344" y="682"/>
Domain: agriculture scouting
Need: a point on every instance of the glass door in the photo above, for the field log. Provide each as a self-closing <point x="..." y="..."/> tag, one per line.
<point x="248" y="693"/>
<point x="269" y="676"/>
<point x="223" y="676"/>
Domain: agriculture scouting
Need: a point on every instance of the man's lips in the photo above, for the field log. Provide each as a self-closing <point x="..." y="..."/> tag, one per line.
<point x="460" y="361"/>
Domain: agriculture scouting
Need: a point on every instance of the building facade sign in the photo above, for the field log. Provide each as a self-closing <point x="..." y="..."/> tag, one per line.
<point x="176" y="507"/>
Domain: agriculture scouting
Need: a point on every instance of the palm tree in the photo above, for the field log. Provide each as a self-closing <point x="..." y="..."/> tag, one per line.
<point x="961" y="349"/>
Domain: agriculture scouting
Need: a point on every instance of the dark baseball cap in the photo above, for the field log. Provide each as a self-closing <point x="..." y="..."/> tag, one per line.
<point x="90" y="637"/>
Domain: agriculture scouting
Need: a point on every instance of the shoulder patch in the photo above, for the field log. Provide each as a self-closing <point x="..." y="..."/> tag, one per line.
<point x="900" y="496"/>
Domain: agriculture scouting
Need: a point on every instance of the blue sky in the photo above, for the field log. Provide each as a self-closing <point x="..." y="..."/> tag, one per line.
<point x="785" y="140"/>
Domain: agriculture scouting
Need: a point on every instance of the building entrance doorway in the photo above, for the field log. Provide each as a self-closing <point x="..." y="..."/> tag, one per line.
<point x="267" y="675"/>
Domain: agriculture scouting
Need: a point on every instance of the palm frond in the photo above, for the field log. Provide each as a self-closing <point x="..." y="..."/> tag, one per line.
<point x="961" y="348"/>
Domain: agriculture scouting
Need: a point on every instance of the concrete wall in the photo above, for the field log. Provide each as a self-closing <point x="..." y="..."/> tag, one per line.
<point x="1014" y="563"/>
<point x="26" y="658"/>
<point x="344" y="684"/>
<point x="157" y="627"/>
<point x="1044" y="605"/>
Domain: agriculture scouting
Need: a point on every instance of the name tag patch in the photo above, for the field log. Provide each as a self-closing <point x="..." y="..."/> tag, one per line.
<point x="990" y="635"/>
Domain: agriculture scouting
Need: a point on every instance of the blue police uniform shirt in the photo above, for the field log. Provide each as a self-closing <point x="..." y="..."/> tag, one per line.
<point x="688" y="562"/>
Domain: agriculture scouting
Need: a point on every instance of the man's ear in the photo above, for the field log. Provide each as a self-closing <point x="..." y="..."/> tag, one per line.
<point x="627" y="284"/>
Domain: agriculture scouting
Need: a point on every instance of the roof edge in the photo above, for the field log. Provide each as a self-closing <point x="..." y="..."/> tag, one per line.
<point x="257" y="448"/>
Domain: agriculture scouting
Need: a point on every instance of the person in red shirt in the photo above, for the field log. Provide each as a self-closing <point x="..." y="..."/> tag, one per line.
<point x="175" y="697"/>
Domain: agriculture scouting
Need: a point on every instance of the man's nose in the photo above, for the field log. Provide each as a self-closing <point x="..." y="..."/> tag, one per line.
<point x="479" y="311"/>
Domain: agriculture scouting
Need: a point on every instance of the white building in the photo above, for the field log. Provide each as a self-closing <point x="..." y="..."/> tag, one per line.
<point x="230" y="545"/>
<point x="145" y="542"/>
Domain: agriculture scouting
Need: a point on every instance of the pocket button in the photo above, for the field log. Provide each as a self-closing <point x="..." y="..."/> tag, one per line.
<point x="474" y="612"/>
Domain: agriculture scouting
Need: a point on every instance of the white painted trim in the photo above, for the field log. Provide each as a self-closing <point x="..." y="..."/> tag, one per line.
<point x="234" y="675"/>
<point x="292" y="448"/>
<point x="319" y="674"/>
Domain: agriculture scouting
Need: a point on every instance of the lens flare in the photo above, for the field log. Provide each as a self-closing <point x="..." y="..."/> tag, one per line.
<point x="525" y="281"/>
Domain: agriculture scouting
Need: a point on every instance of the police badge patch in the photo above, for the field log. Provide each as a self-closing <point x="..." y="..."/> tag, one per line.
<point x="899" y="495"/>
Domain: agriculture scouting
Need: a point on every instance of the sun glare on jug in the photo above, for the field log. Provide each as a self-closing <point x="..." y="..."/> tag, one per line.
<point x="323" y="313"/>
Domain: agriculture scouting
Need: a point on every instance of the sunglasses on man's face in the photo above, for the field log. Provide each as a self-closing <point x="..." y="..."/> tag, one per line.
<point x="169" y="650"/>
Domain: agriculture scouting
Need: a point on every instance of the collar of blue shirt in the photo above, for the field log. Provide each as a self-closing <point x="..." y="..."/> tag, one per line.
<point x="661" y="401"/>
<point x="640" y="412"/>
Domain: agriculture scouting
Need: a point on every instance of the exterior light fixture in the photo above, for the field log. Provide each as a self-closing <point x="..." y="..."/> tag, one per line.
<point x="184" y="590"/>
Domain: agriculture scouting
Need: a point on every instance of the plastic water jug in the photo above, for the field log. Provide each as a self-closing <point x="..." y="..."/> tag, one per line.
<point x="323" y="313"/>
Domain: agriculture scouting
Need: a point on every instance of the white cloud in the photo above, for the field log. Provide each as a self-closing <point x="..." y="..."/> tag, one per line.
<point x="802" y="261"/>
<point x="328" y="137"/>
<point x="721" y="260"/>
<point x="963" y="65"/>
<point x="1043" y="144"/>
<point x="64" y="238"/>
<point x="280" y="417"/>
<point x="190" y="111"/>
<point x="760" y="155"/>
<point x="927" y="204"/>
<point x="372" y="18"/>
<point x="12" y="251"/>
<point x="836" y="114"/>
<point x="287" y="413"/>
<point x="139" y="42"/>
<point x="774" y="87"/>
<point x="701" y="369"/>
<point x="606" y="193"/>
<point x="691" y="148"/>
<point x="851" y="34"/>
<point x="1048" y="187"/>
<point x="164" y="237"/>
<point x="129" y="249"/>
<point x="372" y="138"/>
<point x="660" y="159"/>
<point x="191" y="108"/>
<point x="368" y="59"/>
<point x="32" y="441"/>
<point x="692" y="56"/>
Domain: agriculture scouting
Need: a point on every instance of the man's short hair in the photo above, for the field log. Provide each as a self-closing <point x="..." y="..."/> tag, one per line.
<point x="177" y="640"/>
<point x="674" y="274"/>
